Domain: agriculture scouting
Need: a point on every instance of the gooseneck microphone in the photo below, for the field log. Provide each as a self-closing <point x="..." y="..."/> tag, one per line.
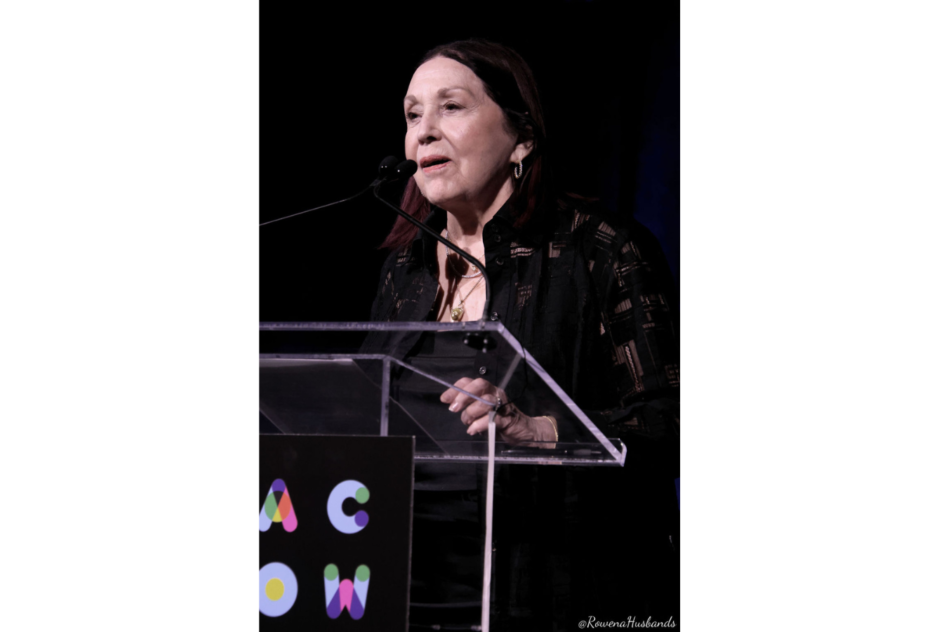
<point x="406" y="170"/>
<point x="390" y="170"/>
<point x="386" y="170"/>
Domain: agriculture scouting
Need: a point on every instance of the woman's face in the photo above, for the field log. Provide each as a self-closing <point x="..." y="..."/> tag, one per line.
<point x="459" y="137"/>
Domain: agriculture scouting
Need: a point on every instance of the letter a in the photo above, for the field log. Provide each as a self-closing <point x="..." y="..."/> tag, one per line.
<point x="278" y="508"/>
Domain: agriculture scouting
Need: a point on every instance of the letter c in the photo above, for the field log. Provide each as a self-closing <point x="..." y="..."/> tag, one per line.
<point x="334" y="507"/>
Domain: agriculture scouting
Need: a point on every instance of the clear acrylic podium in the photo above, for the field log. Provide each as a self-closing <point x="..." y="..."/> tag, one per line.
<point x="316" y="378"/>
<point x="357" y="379"/>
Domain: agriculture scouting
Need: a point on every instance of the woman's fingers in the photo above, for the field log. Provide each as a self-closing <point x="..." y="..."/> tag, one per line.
<point x="476" y="409"/>
<point x="473" y="413"/>
<point x="450" y="394"/>
<point x="459" y="400"/>
<point x="479" y="425"/>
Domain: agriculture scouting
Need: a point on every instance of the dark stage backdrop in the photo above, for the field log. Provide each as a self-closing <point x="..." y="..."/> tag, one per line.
<point x="331" y="109"/>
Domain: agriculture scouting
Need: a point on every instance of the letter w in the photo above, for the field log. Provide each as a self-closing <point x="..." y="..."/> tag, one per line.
<point x="345" y="594"/>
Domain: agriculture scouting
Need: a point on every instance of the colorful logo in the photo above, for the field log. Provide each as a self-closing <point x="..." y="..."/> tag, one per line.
<point x="334" y="508"/>
<point x="278" y="588"/>
<point x="278" y="508"/>
<point x="346" y="594"/>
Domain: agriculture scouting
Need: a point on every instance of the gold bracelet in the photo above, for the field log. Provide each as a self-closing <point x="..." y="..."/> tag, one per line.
<point x="554" y="423"/>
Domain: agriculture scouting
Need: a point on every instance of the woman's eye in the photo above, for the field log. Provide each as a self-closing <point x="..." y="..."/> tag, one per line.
<point x="451" y="106"/>
<point x="411" y="116"/>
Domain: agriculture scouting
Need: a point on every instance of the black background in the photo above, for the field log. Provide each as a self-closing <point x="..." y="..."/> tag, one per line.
<point x="311" y="467"/>
<point x="332" y="86"/>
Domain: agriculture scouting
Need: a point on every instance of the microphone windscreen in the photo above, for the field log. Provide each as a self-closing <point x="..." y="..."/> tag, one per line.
<point x="385" y="167"/>
<point x="406" y="169"/>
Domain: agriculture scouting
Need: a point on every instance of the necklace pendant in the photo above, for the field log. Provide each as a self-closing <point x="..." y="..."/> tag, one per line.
<point x="456" y="314"/>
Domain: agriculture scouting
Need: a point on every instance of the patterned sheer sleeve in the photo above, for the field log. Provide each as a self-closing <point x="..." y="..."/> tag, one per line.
<point x="640" y="329"/>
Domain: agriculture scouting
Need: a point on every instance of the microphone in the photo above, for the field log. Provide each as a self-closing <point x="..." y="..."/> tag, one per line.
<point x="385" y="170"/>
<point x="401" y="171"/>
<point x="405" y="170"/>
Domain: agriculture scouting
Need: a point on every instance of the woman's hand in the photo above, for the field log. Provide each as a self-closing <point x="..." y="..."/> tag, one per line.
<point x="513" y="425"/>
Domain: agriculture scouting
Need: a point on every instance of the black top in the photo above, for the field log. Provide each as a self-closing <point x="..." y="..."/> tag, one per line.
<point x="447" y="357"/>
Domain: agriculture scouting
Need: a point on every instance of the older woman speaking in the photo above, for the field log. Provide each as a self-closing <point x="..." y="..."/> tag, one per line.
<point x="588" y="296"/>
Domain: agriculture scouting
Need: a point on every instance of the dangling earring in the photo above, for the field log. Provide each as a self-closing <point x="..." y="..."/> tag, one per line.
<point x="517" y="170"/>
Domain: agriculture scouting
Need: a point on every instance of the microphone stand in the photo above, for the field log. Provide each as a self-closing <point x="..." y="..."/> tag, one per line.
<point x="387" y="173"/>
<point x="447" y="243"/>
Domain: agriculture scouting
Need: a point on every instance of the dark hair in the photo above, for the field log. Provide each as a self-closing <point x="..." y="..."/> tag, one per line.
<point x="509" y="81"/>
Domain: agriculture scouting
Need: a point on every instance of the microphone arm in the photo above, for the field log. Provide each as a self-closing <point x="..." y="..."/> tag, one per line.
<point x="310" y="210"/>
<point x="449" y="244"/>
<point x="387" y="171"/>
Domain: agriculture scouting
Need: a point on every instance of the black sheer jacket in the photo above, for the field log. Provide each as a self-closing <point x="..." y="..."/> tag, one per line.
<point x="589" y="299"/>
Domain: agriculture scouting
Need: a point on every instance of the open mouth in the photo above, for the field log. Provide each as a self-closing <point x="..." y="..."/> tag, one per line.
<point x="433" y="163"/>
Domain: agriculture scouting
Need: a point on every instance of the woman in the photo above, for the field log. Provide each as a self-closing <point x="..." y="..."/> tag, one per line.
<point x="589" y="300"/>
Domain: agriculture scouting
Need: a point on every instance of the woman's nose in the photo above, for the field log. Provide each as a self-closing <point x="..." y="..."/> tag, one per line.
<point x="428" y="129"/>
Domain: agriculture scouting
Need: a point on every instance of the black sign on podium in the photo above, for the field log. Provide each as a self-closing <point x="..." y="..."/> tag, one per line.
<point x="335" y="532"/>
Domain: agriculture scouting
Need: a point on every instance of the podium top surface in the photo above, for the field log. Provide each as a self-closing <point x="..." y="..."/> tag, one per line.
<point x="386" y="378"/>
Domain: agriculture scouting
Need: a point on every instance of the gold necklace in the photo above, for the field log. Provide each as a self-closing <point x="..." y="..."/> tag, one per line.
<point x="457" y="312"/>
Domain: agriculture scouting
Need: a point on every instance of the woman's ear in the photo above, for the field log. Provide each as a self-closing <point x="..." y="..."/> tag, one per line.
<point x="522" y="151"/>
